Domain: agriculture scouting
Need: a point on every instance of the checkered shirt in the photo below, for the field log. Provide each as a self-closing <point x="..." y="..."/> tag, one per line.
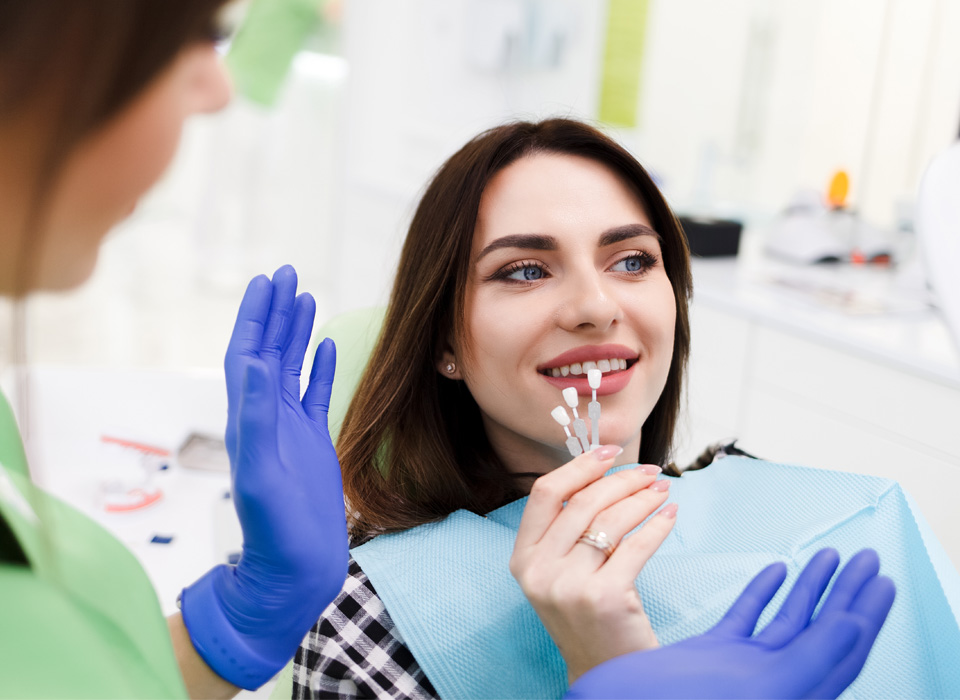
<point x="355" y="650"/>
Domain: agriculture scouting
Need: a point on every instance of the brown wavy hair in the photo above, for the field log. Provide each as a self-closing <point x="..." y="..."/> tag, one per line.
<point x="412" y="446"/>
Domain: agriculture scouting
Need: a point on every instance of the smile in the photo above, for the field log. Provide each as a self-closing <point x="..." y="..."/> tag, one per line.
<point x="576" y="369"/>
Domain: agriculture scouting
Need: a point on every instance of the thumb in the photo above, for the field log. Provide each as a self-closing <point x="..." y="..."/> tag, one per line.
<point x="316" y="399"/>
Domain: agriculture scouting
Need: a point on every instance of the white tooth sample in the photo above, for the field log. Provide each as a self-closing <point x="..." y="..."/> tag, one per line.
<point x="593" y="378"/>
<point x="555" y="372"/>
<point x="574" y="446"/>
<point x="572" y="398"/>
<point x="564" y="371"/>
<point x="575" y="368"/>
<point x="587" y="366"/>
<point x="593" y="408"/>
<point x="603" y="366"/>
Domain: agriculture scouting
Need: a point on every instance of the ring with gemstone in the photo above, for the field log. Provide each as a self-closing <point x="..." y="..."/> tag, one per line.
<point x="598" y="540"/>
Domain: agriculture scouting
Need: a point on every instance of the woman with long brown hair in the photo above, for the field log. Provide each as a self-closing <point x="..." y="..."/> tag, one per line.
<point x="539" y="253"/>
<point x="93" y="96"/>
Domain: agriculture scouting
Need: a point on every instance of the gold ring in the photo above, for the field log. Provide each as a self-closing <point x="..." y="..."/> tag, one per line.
<point x="598" y="540"/>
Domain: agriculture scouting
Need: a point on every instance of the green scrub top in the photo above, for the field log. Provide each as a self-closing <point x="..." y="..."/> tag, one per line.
<point x="78" y="617"/>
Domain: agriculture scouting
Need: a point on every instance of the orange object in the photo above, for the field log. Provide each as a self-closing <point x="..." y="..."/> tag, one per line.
<point x="138" y="446"/>
<point x="839" y="189"/>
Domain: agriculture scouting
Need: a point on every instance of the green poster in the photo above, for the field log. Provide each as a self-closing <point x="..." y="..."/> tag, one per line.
<point x="622" y="61"/>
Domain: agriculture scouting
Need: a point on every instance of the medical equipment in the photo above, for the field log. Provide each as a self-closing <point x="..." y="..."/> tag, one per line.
<point x="593" y="408"/>
<point x="938" y="216"/>
<point x="573" y="444"/>
<point x="572" y="398"/>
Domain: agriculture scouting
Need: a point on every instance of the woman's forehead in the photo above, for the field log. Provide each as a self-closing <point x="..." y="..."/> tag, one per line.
<point x="556" y="194"/>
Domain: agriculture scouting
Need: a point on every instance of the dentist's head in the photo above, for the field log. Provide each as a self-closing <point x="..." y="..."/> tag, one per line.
<point x="93" y="96"/>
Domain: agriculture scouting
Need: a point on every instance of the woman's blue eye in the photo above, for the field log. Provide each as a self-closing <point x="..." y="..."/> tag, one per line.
<point x="527" y="273"/>
<point x="634" y="263"/>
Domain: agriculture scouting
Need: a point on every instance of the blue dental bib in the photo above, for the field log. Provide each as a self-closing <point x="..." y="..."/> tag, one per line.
<point x="448" y="588"/>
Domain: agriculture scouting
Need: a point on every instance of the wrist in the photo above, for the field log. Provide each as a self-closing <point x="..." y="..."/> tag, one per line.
<point x="225" y="650"/>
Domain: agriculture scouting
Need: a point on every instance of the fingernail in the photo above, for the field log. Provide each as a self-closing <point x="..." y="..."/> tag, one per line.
<point x="651" y="469"/>
<point x="607" y="452"/>
<point x="255" y="380"/>
<point x="669" y="511"/>
<point x="661" y="485"/>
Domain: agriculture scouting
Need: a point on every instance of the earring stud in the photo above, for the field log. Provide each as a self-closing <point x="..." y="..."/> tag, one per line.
<point x="451" y="368"/>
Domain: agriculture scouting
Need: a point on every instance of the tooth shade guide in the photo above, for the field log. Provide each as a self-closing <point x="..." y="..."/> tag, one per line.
<point x="561" y="416"/>
<point x="593" y="378"/>
<point x="572" y="398"/>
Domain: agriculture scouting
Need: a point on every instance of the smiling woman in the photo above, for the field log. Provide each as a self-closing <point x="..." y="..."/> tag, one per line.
<point x="538" y="251"/>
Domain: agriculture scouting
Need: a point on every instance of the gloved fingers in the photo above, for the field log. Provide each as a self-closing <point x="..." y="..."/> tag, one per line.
<point x="588" y="504"/>
<point x="795" y="613"/>
<point x="742" y="616"/>
<point x="553" y="489"/>
<point x="634" y="552"/>
<point x="863" y="566"/>
<point x="247" y="331"/>
<point x="810" y="657"/>
<point x="304" y="310"/>
<point x="280" y="320"/>
<point x="244" y="344"/>
<point x="870" y="607"/>
<point x="257" y="448"/>
<point x="316" y="399"/>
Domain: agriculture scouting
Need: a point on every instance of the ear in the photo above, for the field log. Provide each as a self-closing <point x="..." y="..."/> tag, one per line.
<point x="445" y="362"/>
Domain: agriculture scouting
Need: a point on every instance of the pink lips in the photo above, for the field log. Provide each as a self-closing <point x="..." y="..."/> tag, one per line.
<point x="611" y="383"/>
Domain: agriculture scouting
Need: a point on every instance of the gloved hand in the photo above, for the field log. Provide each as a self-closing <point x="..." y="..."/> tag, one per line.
<point x="790" y="658"/>
<point x="246" y="621"/>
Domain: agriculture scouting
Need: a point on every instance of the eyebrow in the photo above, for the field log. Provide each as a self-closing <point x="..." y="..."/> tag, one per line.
<point x="539" y="241"/>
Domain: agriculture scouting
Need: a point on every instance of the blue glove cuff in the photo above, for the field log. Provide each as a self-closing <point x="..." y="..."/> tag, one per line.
<point x="216" y="640"/>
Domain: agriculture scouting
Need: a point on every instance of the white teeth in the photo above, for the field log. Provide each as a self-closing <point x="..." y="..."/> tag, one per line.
<point x="577" y="369"/>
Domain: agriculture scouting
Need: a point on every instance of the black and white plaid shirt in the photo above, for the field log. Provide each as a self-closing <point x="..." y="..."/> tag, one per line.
<point x="355" y="650"/>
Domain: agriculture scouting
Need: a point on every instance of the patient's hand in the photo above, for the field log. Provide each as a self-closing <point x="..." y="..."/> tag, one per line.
<point x="586" y="598"/>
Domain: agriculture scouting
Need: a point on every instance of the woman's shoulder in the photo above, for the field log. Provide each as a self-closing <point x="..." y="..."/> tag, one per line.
<point x="356" y="651"/>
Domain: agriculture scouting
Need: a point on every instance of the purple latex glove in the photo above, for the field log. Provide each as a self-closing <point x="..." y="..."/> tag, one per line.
<point x="247" y="621"/>
<point x="791" y="657"/>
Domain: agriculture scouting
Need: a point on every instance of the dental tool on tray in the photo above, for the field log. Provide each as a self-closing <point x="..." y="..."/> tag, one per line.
<point x="572" y="398"/>
<point x="573" y="443"/>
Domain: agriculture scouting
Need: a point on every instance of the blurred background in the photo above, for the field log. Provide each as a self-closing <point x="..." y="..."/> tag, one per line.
<point x="791" y="135"/>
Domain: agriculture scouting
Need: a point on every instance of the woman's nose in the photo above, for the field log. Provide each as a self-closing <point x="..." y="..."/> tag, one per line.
<point x="588" y="304"/>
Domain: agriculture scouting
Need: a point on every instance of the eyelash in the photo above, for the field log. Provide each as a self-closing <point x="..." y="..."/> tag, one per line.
<point x="647" y="260"/>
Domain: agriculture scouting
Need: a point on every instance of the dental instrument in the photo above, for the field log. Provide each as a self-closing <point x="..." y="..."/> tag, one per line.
<point x="572" y="398"/>
<point x="573" y="444"/>
<point x="593" y="408"/>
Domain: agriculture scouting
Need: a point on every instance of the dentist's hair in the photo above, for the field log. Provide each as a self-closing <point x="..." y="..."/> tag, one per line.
<point x="412" y="446"/>
<point x="78" y="63"/>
